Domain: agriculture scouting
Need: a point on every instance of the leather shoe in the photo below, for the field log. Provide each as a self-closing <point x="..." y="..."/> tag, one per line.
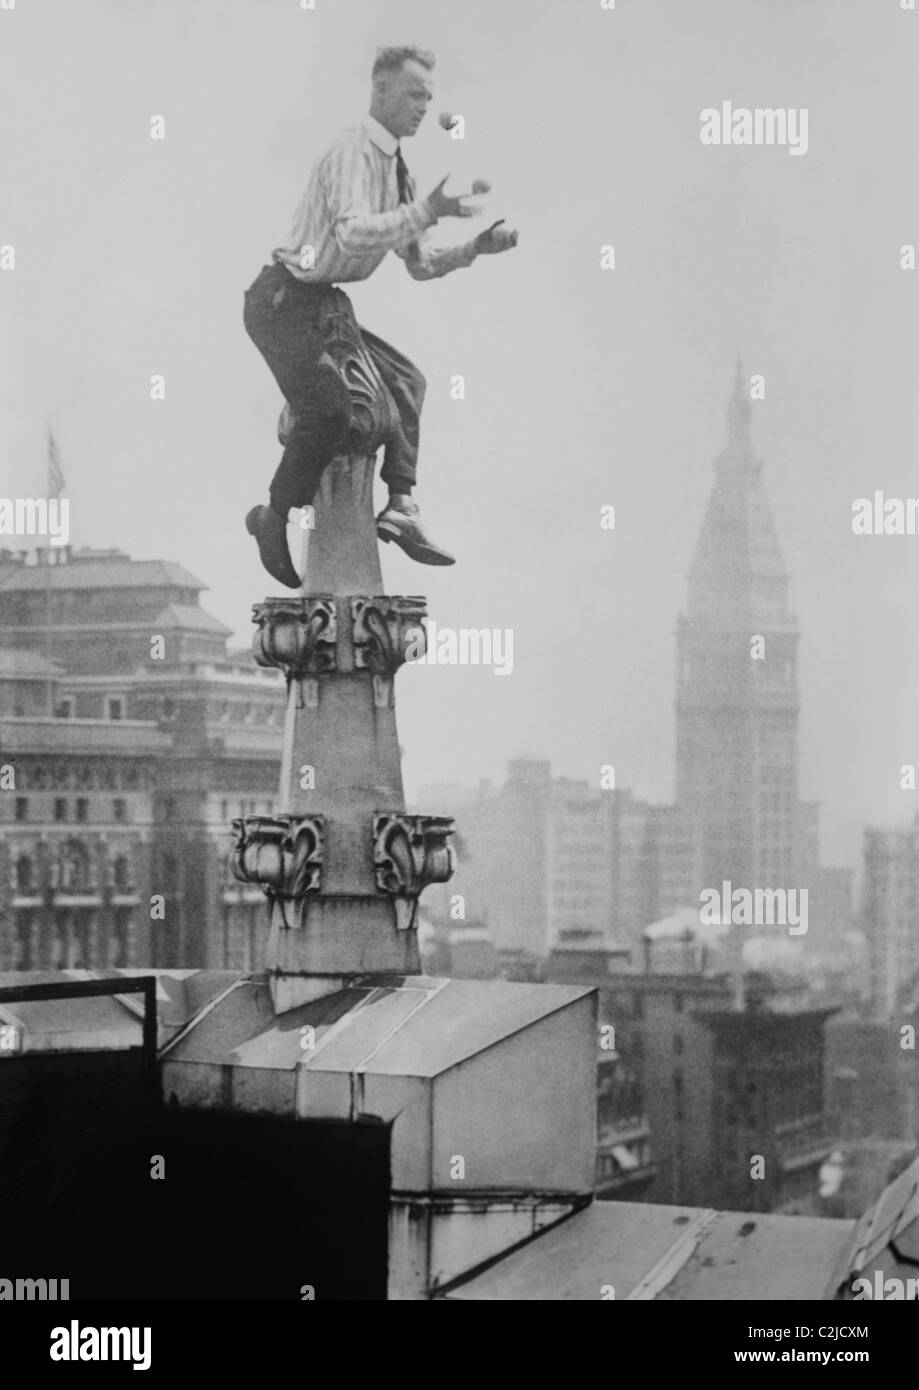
<point x="270" y="533"/>
<point x="401" y="524"/>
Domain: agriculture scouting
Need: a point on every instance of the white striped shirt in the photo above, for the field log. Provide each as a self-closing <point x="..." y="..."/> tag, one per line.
<point x="350" y="216"/>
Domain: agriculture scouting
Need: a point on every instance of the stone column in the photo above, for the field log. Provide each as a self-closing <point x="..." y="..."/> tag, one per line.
<point x="343" y="866"/>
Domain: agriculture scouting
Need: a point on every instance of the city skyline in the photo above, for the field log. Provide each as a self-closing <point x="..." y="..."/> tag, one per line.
<point x="737" y="393"/>
<point x="718" y="251"/>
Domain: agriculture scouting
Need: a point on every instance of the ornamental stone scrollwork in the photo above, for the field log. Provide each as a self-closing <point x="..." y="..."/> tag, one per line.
<point x="409" y="853"/>
<point x="297" y="634"/>
<point x="387" y="631"/>
<point x="282" y="854"/>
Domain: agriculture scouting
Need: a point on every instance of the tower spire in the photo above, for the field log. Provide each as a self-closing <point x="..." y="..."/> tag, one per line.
<point x="738" y="413"/>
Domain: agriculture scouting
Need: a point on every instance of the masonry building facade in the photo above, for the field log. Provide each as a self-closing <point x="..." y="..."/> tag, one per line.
<point x="130" y="739"/>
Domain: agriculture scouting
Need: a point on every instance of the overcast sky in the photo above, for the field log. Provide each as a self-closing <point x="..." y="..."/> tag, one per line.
<point x="584" y="387"/>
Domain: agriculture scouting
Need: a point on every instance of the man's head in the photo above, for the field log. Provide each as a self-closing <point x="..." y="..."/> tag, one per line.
<point x="402" y="89"/>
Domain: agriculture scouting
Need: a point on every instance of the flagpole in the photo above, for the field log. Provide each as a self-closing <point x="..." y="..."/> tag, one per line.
<point x="49" y="699"/>
<point x="55" y="484"/>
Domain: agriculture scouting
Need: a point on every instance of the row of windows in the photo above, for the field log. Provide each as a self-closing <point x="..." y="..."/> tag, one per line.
<point x="250" y="714"/>
<point x="248" y="807"/>
<point x="66" y="707"/>
<point x="77" y="939"/>
<point x="79" y="808"/>
<point x="66" y="775"/>
<point x="71" y="873"/>
<point x="709" y="669"/>
<point x="116" y="708"/>
<point x="633" y="1005"/>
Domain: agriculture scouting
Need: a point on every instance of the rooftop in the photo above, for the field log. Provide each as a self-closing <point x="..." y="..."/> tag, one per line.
<point x="94" y="569"/>
<point x="180" y="615"/>
<point x="647" y="1253"/>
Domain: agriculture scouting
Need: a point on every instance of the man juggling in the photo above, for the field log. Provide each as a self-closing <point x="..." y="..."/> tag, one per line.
<point x="360" y="202"/>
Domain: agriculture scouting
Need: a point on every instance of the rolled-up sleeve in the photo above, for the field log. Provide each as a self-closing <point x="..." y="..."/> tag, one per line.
<point x="426" y="262"/>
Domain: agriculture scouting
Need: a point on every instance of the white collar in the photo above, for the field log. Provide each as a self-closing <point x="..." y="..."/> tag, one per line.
<point x="381" y="137"/>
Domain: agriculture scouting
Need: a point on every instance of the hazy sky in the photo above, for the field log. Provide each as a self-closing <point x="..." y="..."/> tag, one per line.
<point x="584" y="387"/>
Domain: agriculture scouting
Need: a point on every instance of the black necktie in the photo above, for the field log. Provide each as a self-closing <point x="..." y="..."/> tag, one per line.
<point x="403" y="179"/>
<point x="406" y="191"/>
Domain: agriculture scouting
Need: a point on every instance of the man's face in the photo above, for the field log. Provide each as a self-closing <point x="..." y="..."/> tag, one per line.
<point x="404" y="97"/>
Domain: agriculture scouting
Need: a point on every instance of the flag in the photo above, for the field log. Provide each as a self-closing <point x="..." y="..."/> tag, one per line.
<point x="55" y="475"/>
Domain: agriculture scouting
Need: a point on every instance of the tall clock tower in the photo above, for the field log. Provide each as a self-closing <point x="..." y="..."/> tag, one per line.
<point x="737" y="687"/>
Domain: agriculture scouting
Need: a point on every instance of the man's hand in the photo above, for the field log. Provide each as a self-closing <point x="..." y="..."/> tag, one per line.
<point x="442" y="205"/>
<point x="495" y="238"/>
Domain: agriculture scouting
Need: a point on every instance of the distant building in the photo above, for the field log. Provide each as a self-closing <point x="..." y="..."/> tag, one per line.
<point x="890" y="915"/>
<point x="625" y="1153"/>
<point x="134" y="740"/>
<point x="542" y="857"/>
<point x="718" y="1086"/>
<point x="873" y="1077"/>
<point x="768" y="1103"/>
<point x="462" y="953"/>
<point x="737" y="815"/>
<point x="832" y="911"/>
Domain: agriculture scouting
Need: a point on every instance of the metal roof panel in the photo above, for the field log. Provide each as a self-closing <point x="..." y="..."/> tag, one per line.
<point x="672" y="1253"/>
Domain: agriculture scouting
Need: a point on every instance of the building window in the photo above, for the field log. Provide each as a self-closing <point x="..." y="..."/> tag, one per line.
<point x="115" y="707"/>
<point x="64" y="707"/>
<point x="677" y="1083"/>
<point x="60" y="808"/>
<point x="122" y="875"/>
<point x="22" y="808"/>
<point x="74" y="868"/>
<point x="25" y="878"/>
<point x="678" y="1003"/>
<point x="24" y="940"/>
<point x="678" y="1044"/>
<point x="120" y="808"/>
<point x="82" y="809"/>
<point x="83" y="923"/>
<point x="169" y="708"/>
<point x="120" y="948"/>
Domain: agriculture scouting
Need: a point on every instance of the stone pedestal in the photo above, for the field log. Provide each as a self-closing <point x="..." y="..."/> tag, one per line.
<point x="343" y="866"/>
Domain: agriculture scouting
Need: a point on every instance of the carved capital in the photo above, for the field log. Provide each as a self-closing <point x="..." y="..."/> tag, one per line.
<point x="298" y="634"/>
<point x="410" y="852"/>
<point x="384" y="630"/>
<point x="283" y="854"/>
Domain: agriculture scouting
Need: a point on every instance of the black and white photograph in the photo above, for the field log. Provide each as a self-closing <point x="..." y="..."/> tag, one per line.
<point x="459" y="663"/>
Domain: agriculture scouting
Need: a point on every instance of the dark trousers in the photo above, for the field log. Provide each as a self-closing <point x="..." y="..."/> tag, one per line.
<point x="282" y="319"/>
